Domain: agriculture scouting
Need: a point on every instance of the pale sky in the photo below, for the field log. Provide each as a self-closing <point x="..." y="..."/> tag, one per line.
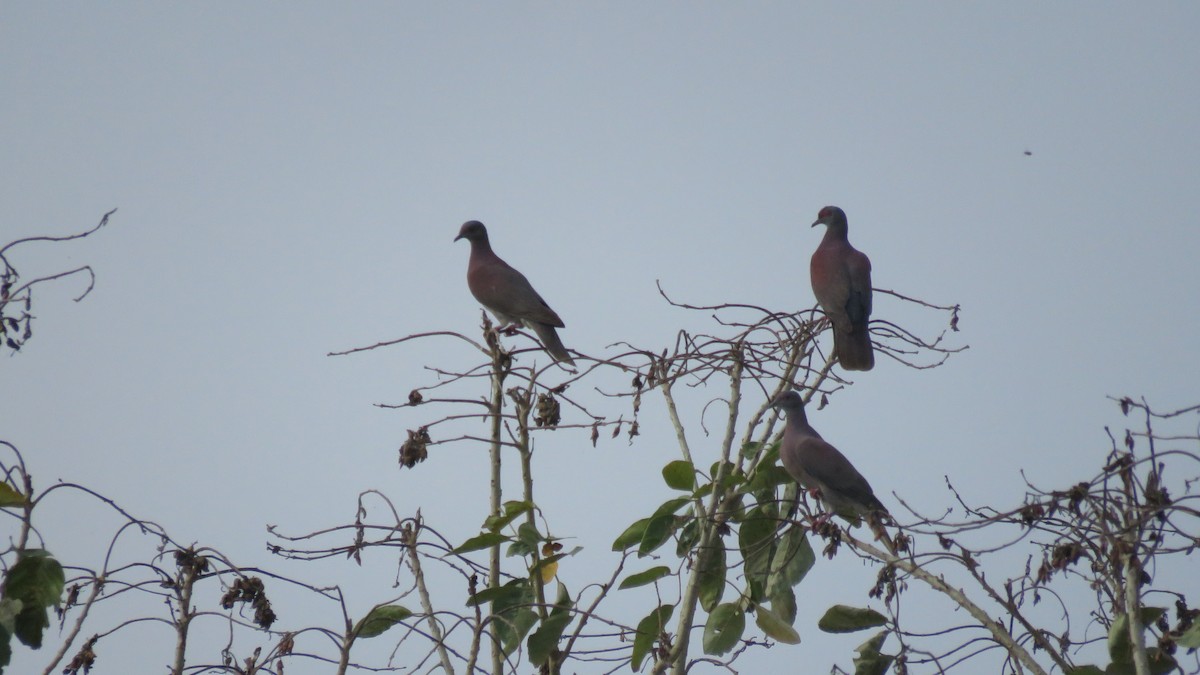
<point x="290" y="177"/>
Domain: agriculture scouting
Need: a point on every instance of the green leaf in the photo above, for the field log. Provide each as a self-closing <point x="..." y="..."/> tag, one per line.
<point x="528" y="534"/>
<point x="563" y="603"/>
<point x="689" y="534"/>
<point x="658" y="531"/>
<point x="792" y="560"/>
<point x="712" y="576"/>
<point x="844" y="619"/>
<point x="1119" y="645"/>
<point x="1119" y="639"/>
<point x="31" y="622"/>
<point x="755" y="538"/>
<point x="680" y="475"/>
<point x="755" y="590"/>
<point x="513" y="626"/>
<point x="512" y="509"/>
<point x="500" y="592"/>
<point x="670" y="506"/>
<point x="768" y="478"/>
<point x="775" y="626"/>
<point x="9" y="609"/>
<point x="790" y="491"/>
<point x="1120" y="648"/>
<point x="519" y="549"/>
<point x="783" y="604"/>
<point x="750" y="449"/>
<point x="9" y="496"/>
<point x="724" y="628"/>
<point x="771" y="456"/>
<point x="513" y="616"/>
<point x="732" y="479"/>
<point x="544" y="640"/>
<point x="658" y="528"/>
<point x="37" y="581"/>
<point x="632" y="535"/>
<point x="648" y="630"/>
<point x="869" y="661"/>
<point x="551" y="559"/>
<point x="1151" y="614"/>
<point x="642" y="578"/>
<point x="1190" y="637"/>
<point x="1160" y="664"/>
<point x="515" y="507"/>
<point x="736" y="512"/>
<point x="379" y="619"/>
<point x="480" y="542"/>
<point x="5" y="648"/>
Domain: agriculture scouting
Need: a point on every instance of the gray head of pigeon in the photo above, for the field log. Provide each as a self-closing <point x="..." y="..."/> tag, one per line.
<point x="832" y="217"/>
<point x="791" y="403"/>
<point x="473" y="231"/>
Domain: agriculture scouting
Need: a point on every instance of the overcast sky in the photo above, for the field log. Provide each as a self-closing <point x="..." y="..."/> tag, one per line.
<point x="290" y="177"/>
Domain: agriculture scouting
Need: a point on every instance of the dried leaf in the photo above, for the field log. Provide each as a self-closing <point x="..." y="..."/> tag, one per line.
<point x="415" y="449"/>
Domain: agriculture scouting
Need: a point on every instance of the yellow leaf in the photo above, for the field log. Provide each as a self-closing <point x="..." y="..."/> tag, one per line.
<point x="548" y="571"/>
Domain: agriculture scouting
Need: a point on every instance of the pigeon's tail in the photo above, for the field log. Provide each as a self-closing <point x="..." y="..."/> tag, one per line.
<point x="550" y="341"/>
<point x="853" y="349"/>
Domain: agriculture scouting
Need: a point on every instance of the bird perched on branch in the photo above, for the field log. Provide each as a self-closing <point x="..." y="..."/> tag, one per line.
<point x="507" y="294"/>
<point x="820" y="467"/>
<point x="841" y="280"/>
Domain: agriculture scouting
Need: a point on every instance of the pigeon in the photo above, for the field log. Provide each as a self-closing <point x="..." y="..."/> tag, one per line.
<point x="820" y="467"/>
<point x="841" y="280"/>
<point x="507" y="294"/>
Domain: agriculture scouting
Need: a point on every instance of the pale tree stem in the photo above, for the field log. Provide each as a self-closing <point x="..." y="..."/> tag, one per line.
<point x="525" y="449"/>
<point x="435" y="629"/>
<point x="960" y="598"/>
<point x="97" y="584"/>
<point x="1039" y="639"/>
<point x="673" y="411"/>
<point x="348" y="641"/>
<point x="344" y="657"/>
<point x="677" y="659"/>
<point x="27" y="521"/>
<point x="1133" y="610"/>
<point x="536" y="556"/>
<point x="690" y="591"/>
<point x="185" y="619"/>
<point x="494" y="457"/>
<point x="476" y="635"/>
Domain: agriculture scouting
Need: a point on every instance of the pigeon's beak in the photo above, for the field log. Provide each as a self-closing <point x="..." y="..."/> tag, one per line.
<point x="817" y="222"/>
<point x="460" y="236"/>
